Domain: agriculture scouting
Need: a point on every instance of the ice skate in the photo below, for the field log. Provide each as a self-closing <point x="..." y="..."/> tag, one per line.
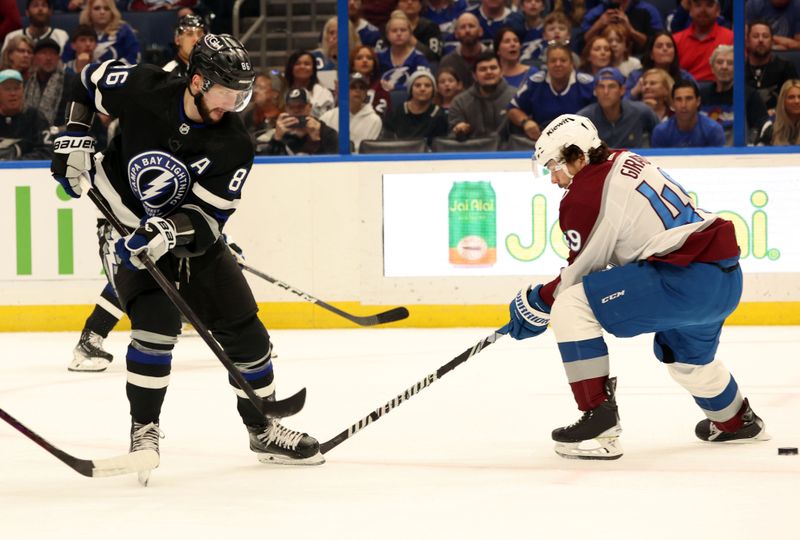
<point x="89" y="355"/>
<point x="595" y="435"/>
<point x="145" y="437"/>
<point x="275" y="444"/>
<point x="752" y="429"/>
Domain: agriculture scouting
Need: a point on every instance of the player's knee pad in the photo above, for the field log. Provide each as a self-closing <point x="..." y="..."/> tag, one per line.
<point x="244" y="341"/>
<point x="571" y="317"/>
<point x="155" y="320"/>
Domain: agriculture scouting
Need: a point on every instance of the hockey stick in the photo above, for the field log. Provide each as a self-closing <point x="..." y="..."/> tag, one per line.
<point x="411" y="391"/>
<point x="134" y="462"/>
<point x="392" y="315"/>
<point x="278" y="408"/>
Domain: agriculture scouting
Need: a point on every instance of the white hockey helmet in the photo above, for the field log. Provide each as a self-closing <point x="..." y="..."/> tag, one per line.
<point x="566" y="130"/>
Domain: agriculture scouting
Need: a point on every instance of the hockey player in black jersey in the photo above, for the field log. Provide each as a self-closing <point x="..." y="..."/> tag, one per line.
<point x="174" y="176"/>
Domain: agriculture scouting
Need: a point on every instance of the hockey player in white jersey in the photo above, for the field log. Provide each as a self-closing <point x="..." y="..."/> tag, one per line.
<point x="642" y="259"/>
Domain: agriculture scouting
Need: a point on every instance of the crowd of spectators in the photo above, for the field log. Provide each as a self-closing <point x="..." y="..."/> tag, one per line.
<point x="461" y="70"/>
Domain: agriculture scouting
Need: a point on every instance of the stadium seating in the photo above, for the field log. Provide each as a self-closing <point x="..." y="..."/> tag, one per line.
<point x="400" y="146"/>
<point x="477" y="144"/>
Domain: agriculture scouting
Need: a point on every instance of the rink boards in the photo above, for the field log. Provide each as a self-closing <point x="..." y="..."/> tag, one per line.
<point x="369" y="234"/>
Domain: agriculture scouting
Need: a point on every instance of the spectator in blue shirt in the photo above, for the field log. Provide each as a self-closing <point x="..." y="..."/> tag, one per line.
<point x="783" y="17"/>
<point x="641" y="18"/>
<point x="401" y="59"/>
<point x="494" y="15"/>
<point x="115" y="38"/>
<point x="547" y="94"/>
<point x="687" y="128"/>
<point x="367" y="32"/>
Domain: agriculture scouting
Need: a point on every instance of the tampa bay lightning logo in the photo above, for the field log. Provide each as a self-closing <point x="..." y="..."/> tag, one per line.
<point x="159" y="180"/>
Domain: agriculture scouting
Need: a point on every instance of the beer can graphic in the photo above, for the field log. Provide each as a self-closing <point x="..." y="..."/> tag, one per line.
<point x="473" y="224"/>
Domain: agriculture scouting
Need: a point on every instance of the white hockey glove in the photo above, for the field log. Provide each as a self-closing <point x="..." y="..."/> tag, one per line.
<point x="73" y="155"/>
<point x="153" y="239"/>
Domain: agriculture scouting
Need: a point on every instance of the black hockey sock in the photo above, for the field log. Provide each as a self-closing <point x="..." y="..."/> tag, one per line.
<point x="106" y="313"/>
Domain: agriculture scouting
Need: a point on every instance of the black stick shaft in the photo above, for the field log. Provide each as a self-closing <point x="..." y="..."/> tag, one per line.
<point x="82" y="466"/>
<point x="411" y="391"/>
<point x="392" y="315"/>
<point x="183" y="307"/>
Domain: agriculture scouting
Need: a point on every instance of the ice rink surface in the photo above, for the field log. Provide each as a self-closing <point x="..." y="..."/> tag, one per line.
<point x="469" y="457"/>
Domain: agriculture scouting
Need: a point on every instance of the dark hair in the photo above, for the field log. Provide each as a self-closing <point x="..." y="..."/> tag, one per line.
<point x="684" y="83"/>
<point x="83" y="30"/>
<point x="484" y="56"/>
<point x="647" y="60"/>
<point x="596" y="155"/>
<point x="376" y="68"/>
<point x="450" y="71"/>
<point x="498" y="37"/>
<point x="292" y="60"/>
<point x="762" y="22"/>
<point x="29" y="2"/>
<point x="563" y="47"/>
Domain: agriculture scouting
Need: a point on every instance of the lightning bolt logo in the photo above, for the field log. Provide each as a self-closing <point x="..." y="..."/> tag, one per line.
<point x="157" y="186"/>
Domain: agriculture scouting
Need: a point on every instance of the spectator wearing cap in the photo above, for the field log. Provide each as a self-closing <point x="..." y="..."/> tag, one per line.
<point x="116" y="39"/>
<point x="717" y="100"/>
<point x="24" y="131"/>
<point x="620" y="122"/>
<point x="301" y="72"/>
<point x="547" y="94"/>
<point x="419" y="117"/>
<point x="695" y="44"/>
<point x="18" y="55"/>
<point x="400" y="60"/>
<point x="83" y="42"/>
<point x="188" y="31"/>
<point x="481" y="110"/>
<point x="298" y="132"/>
<point x="39" y="13"/>
<point x="687" y="127"/>
<point x="365" y="124"/>
<point x="48" y="87"/>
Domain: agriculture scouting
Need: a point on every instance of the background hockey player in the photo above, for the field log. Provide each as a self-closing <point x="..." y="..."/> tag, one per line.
<point x="174" y="175"/>
<point x="675" y="271"/>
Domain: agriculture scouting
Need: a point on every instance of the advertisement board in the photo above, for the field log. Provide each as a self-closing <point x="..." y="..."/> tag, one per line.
<point x="506" y="223"/>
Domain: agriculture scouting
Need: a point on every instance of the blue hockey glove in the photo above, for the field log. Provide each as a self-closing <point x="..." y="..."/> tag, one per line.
<point x="153" y="239"/>
<point x="529" y="314"/>
<point x="73" y="155"/>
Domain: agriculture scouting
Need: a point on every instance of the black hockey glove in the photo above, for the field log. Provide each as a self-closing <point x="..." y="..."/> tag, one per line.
<point x="73" y="155"/>
<point x="153" y="239"/>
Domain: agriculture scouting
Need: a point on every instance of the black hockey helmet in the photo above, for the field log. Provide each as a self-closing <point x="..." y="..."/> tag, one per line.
<point x="222" y="59"/>
<point x="190" y="21"/>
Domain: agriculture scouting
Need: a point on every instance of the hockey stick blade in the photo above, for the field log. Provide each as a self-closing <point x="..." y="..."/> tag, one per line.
<point x="411" y="391"/>
<point x="285" y="407"/>
<point x="268" y="408"/>
<point x="134" y="462"/>
<point x="392" y="315"/>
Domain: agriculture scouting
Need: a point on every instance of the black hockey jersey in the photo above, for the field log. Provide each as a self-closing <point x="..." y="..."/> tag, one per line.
<point x="161" y="161"/>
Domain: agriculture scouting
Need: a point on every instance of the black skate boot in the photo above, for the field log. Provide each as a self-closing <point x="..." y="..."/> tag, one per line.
<point x="275" y="444"/>
<point x="89" y="355"/>
<point x="599" y="428"/>
<point x="752" y="429"/>
<point x="145" y="437"/>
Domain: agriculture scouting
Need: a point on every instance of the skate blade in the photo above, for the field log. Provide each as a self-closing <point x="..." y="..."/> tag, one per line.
<point x="88" y="366"/>
<point x="276" y="459"/>
<point x="594" y="449"/>
<point x="761" y="437"/>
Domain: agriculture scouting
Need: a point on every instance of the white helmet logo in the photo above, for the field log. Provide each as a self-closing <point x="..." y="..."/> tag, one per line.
<point x="213" y="42"/>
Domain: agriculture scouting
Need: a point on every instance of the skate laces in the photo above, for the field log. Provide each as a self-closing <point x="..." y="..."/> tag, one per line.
<point x="94" y="341"/>
<point x="283" y="437"/>
<point x="145" y="436"/>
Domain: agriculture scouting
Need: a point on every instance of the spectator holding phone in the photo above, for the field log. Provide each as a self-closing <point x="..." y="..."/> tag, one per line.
<point x="297" y="132"/>
<point x="640" y="18"/>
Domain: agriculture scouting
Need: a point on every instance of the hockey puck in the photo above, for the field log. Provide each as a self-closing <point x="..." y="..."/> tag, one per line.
<point x="787" y="451"/>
